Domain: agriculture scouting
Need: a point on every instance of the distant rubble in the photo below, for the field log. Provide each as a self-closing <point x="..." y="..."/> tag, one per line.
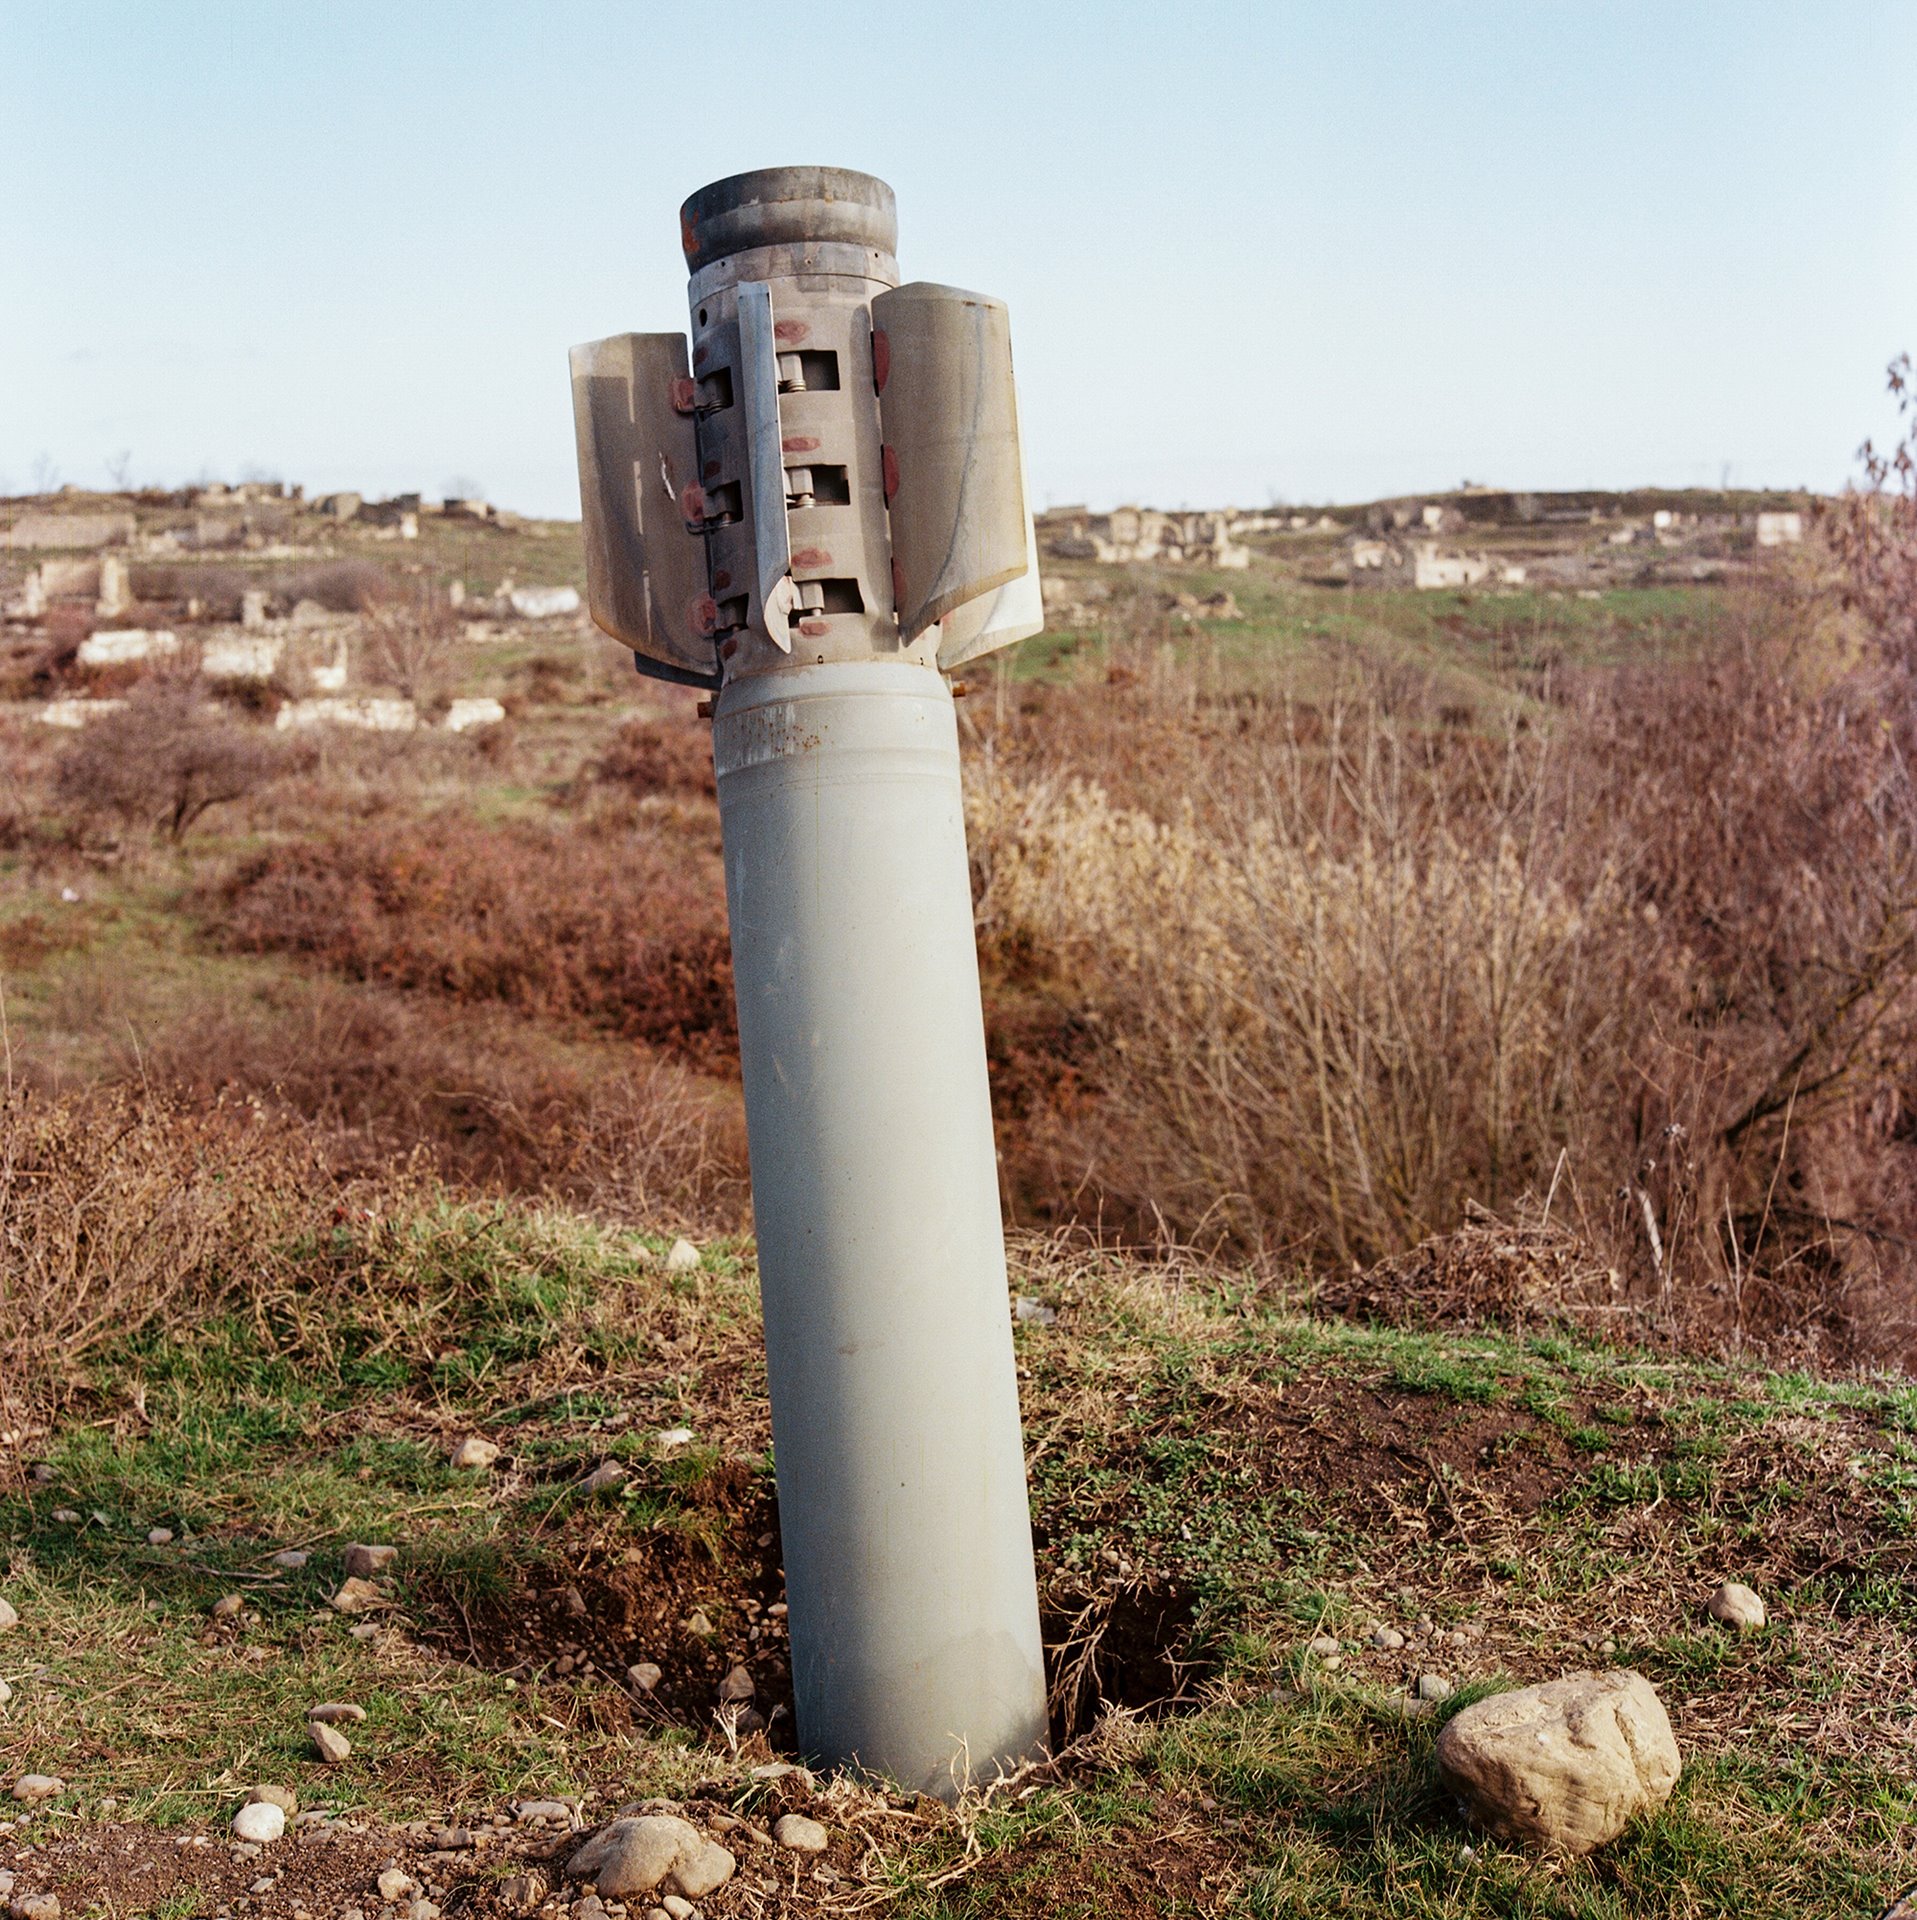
<point x="317" y="611"/>
<point x="1477" y="537"/>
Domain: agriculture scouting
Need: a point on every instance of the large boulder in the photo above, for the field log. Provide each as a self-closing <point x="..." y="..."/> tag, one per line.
<point x="645" y="1851"/>
<point x="1566" y="1765"/>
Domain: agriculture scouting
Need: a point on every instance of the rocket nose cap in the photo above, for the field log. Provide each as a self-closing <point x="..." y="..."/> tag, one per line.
<point x="784" y="206"/>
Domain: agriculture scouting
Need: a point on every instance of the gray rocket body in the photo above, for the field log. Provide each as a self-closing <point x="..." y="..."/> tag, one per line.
<point x="812" y="513"/>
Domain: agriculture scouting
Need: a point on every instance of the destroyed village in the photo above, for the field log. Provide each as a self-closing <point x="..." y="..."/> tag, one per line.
<point x="774" y="1167"/>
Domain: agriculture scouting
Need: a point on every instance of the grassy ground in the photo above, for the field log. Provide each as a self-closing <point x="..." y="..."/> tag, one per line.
<point x="1216" y="1476"/>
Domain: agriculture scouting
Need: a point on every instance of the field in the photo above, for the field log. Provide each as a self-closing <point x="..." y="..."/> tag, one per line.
<point x="1452" y="1063"/>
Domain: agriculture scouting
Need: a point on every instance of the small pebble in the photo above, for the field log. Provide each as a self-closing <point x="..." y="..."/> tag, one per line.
<point x="226" y="1606"/>
<point x="797" y="1834"/>
<point x="31" y="1788"/>
<point x="332" y="1712"/>
<point x="473" y="1451"/>
<point x="1388" y="1639"/>
<point x="8" y="1618"/>
<point x="362" y="1561"/>
<point x="282" y="1797"/>
<point x="1323" y="1645"/>
<point x="329" y="1743"/>
<point x="260" y="1821"/>
<point x="644" y="1675"/>
<point x="395" y="1884"/>
<point x="1735" y="1605"/>
<point x="683" y="1258"/>
<point x="66" y="1517"/>
<point x="291" y="1558"/>
<point x="1434" y="1686"/>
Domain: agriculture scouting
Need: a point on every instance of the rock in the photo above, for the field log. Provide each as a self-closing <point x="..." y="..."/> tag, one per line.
<point x="1565" y="1765"/>
<point x="797" y="1834"/>
<point x="329" y="1743"/>
<point x="1033" y="1312"/>
<point x="282" y="1797"/>
<point x="527" y="1811"/>
<point x="1323" y="1645"/>
<point x="6" y="1693"/>
<point x="590" y="1908"/>
<point x="8" y="1618"/>
<point x="1387" y="1639"/>
<point x="331" y="1713"/>
<point x="707" y="1872"/>
<point x="678" y="1906"/>
<point x="1737" y="1606"/>
<point x="522" y="1892"/>
<point x="455" y="1839"/>
<point x="395" y="1884"/>
<point x="159" y="1536"/>
<point x="671" y="1437"/>
<point x="362" y="1562"/>
<point x="291" y="1558"/>
<point x="606" y="1475"/>
<point x="43" y="1474"/>
<point x="65" y="1517"/>
<point x="423" y="1910"/>
<point x="736" y="1686"/>
<point x="227" y="1606"/>
<point x="357" y="1596"/>
<point x="1434" y="1686"/>
<point x="474" y="1452"/>
<point x="33" y="1787"/>
<point x="259" y="1821"/>
<point x="645" y="1676"/>
<point x="638" y="1853"/>
<point x="683" y="1257"/>
<point x="36" y="1906"/>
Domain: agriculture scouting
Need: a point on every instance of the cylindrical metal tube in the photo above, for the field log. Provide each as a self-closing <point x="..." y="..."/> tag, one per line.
<point x="902" y="1495"/>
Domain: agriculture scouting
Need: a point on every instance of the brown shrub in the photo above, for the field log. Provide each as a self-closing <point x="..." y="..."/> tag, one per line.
<point x="619" y="929"/>
<point x="115" y="1205"/>
<point x="659" y="756"/>
<point x="166" y="759"/>
<point x="1657" y="958"/>
<point x="498" y="1107"/>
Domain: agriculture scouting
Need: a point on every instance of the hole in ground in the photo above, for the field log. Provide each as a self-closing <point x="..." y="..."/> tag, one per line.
<point x="1134" y="1647"/>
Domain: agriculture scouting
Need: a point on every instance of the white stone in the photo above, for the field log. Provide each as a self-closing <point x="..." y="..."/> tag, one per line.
<point x="396" y="1884"/>
<point x="1735" y="1605"/>
<point x="8" y="1616"/>
<point x="259" y="1821"/>
<point x="463" y="715"/>
<point x="1566" y="1765"/>
<point x="374" y="715"/>
<point x="671" y="1437"/>
<point x="76" y="713"/>
<point x="240" y="657"/>
<point x="291" y="1558"/>
<point x="683" y="1257"/>
<point x="118" y="646"/>
<point x="159" y="1536"/>
<point x="332" y="1712"/>
<point x="543" y="603"/>
<point x="474" y="1451"/>
<point x="329" y="1743"/>
<point x="32" y="1787"/>
<point x="644" y="1675"/>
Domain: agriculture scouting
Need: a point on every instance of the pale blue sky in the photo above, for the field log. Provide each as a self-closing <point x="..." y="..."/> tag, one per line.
<point x="1316" y="252"/>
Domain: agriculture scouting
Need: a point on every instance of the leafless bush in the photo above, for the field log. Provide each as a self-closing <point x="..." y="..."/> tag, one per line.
<point x="408" y="635"/>
<point x="1656" y="959"/>
<point x="167" y="758"/>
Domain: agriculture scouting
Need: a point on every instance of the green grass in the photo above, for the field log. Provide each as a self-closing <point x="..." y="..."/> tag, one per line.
<point x="1284" y="1474"/>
